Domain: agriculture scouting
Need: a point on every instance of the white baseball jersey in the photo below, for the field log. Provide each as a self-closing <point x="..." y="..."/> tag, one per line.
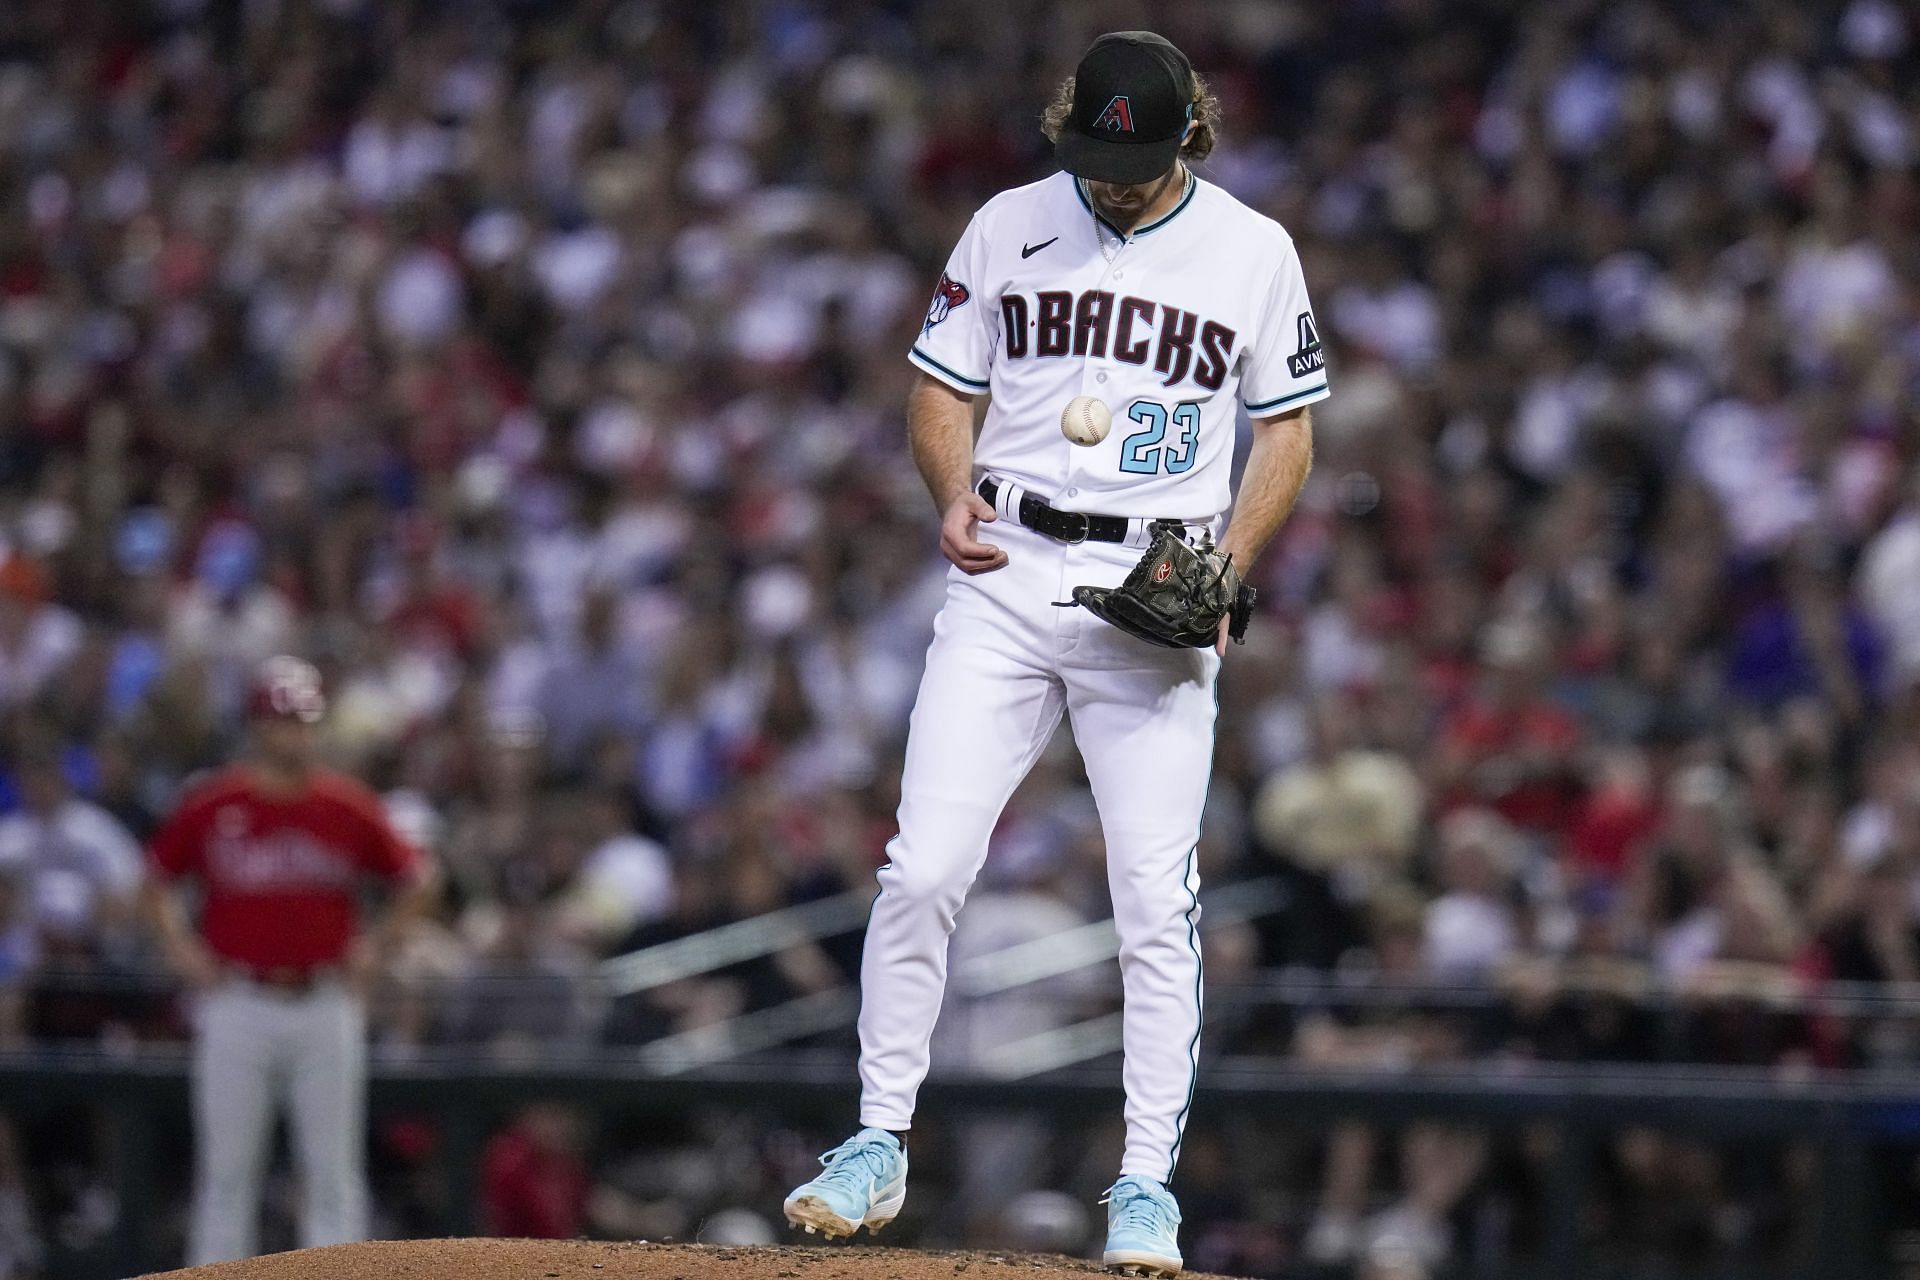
<point x="1174" y="326"/>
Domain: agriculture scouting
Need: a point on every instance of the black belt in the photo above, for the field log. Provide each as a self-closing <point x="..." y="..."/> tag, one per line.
<point x="1065" y="526"/>
<point x="286" y="979"/>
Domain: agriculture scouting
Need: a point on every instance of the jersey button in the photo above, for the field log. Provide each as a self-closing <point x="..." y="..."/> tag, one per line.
<point x="1119" y="275"/>
<point x="1099" y="377"/>
<point x="1073" y="493"/>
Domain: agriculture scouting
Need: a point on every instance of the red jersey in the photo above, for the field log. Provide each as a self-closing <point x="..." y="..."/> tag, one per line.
<point x="281" y="874"/>
<point x="530" y="1191"/>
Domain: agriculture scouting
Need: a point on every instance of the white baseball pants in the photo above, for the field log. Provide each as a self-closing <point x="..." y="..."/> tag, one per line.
<point x="1003" y="667"/>
<point x="254" y="1051"/>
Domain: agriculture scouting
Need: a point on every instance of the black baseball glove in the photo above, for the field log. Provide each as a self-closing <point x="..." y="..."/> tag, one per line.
<point x="1175" y="597"/>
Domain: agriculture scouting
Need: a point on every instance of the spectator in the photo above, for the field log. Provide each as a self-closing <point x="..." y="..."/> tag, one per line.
<point x="79" y="869"/>
<point x="1808" y="642"/>
<point x="520" y="991"/>
<point x="1344" y="811"/>
<point x="598" y="687"/>
<point x="611" y="879"/>
<point x="1509" y="745"/>
<point x="1684" y="890"/>
<point x="533" y="1181"/>
<point x="1470" y="927"/>
<point x="39" y="636"/>
<point x="1615" y="821"/>
<point x="1345" y="820"/>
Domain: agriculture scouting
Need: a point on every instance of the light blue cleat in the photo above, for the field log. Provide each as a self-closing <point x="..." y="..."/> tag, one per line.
<point x="864" y="1185"/>
<point x="1143" y="1228"/>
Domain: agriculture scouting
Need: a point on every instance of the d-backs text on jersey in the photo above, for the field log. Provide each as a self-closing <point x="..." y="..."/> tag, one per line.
<point x="1053" y="323"/>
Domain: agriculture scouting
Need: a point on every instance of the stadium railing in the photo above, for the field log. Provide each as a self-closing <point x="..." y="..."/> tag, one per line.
<point x="1841" y="1116"/>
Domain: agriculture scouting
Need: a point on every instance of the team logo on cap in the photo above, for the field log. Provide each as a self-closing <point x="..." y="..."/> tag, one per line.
<point x="1117" y="117"/>
<point x="950" y="294"/>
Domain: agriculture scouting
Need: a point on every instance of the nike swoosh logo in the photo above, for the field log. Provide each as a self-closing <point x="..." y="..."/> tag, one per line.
<point x="1028" y="250"/>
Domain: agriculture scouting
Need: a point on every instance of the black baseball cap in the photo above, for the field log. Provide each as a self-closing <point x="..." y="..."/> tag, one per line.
<point x="1132" y="99"/>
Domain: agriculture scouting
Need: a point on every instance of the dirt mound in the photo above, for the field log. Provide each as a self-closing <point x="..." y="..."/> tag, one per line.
<point x="592" y="1260"/>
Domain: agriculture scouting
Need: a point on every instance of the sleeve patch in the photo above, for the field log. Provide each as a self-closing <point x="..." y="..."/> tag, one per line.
<point x="950" y="294"/>
<point x="1308" y="358"/>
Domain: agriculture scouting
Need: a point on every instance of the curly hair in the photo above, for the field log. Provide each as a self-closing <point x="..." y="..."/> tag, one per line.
<point x="1199" y="144"/>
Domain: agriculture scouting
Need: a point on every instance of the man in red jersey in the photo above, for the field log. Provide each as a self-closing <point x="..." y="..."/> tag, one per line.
<point x="279" y="848"/>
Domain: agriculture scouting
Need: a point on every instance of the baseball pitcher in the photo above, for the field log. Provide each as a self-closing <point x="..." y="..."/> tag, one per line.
<point x="279" y="848"/>
<point x="1120" y="314"/>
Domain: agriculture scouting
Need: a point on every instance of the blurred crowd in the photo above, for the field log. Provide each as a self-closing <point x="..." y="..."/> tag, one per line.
<point x="537" y="370"/>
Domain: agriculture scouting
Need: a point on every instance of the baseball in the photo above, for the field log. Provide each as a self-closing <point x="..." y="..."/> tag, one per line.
<point x="1085" y="420"/>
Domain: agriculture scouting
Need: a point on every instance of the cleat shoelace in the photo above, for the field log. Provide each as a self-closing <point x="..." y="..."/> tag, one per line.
<point x="1139" y="1209"/>
<point x="851" y="1161"/>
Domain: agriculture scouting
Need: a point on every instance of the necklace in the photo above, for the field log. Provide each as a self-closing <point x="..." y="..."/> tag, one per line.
<point x="1102" y="229"/>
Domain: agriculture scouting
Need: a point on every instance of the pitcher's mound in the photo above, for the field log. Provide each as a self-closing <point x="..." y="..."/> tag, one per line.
<point x="592" y="1260"/>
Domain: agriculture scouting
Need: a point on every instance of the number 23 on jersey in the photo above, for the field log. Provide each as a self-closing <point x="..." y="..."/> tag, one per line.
<point x="1165" y="440"/>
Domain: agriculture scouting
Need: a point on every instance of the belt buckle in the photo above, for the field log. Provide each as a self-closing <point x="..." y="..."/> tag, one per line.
<point x="1086" y="527"/>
